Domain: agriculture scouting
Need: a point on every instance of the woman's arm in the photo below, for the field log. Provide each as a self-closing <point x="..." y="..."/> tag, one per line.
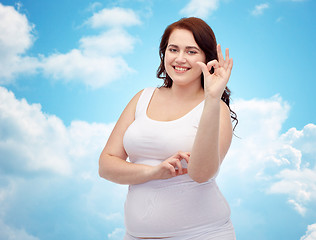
<point x="214" y="133"/>
<point x="212" y="141"/>
<point x="112" y="162"/>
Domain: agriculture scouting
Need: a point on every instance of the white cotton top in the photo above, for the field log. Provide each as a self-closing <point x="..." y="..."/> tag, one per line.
<point x="175" y="206"/>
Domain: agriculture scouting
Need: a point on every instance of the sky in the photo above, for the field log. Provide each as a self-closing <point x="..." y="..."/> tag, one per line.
<point x="67" y="70"/>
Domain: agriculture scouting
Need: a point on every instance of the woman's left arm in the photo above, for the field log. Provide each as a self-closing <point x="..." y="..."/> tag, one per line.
<point x="214" y="133"/>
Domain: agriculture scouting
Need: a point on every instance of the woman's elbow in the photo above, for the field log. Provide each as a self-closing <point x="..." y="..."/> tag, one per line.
<point x="101" y="172"/>
<point x="202" y="176"/>
<point x="102" y="168"/>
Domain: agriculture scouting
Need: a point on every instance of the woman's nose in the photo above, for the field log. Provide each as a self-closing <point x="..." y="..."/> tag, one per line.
<point x="180" y="58"/>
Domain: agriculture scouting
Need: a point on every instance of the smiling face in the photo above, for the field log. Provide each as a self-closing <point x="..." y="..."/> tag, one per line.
<point x="181" y="56"/>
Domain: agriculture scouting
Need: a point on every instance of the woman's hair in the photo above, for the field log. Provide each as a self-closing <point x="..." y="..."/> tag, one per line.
<point x="205" y="38"/>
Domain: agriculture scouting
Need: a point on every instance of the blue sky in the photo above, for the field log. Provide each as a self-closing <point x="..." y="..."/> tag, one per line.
<point x="67" y="70"/>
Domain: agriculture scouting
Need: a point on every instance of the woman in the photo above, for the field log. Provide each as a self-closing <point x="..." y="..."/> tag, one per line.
<point x="176" y="138"/>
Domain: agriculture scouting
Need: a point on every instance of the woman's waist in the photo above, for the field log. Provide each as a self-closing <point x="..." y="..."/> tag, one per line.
<point x="181" y="188"/>
<point x="181" y="181"/>
<point x="174" y="208"/>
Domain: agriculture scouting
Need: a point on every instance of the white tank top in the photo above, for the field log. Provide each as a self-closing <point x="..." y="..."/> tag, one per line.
<point x="175" y="206"/>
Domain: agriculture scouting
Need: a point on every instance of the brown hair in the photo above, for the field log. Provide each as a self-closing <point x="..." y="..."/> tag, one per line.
<point x="205" y="38"/>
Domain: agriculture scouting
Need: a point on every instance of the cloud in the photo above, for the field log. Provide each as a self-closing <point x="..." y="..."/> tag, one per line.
<point x="297" y="176"/>
<point x="27" y="137"/>
<point x="298" y="207"/>
<point x="76" y="66"/>
<point x="115" y="17"/>
<point x="310" y="233"/>
<point x="93" y="6"/>
<point x="98" y="60"/>
<point x="259" y="9"/>
<point x="298" y="185"/>
<point x="112" y="42"/>
<point x="9" y="233"/>
<point x="260" y="123"/>
<point x="117" y="234"/>
<point x="34" y="142"/>
<point x="16" y="37"/>
<point x="200" y="8"/>
<point x="49" y="169"/>
<point x="281" y="164"/>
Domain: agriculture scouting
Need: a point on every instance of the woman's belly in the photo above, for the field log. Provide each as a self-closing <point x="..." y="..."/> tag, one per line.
<point x="166" y="208"/>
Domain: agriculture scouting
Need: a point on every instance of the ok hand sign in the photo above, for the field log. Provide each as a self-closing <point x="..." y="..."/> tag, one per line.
<point x="215" y="83"/>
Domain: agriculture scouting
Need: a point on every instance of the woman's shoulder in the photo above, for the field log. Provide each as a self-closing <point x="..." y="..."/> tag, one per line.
<point x="138" y="95"/>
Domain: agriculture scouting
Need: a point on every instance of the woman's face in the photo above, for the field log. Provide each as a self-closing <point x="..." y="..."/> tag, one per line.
<point x="181" y="55"/>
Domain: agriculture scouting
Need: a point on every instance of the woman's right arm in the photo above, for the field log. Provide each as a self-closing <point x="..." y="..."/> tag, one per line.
<point x="112" y="162"/>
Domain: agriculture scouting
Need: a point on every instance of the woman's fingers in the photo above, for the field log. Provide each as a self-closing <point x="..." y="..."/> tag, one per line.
<point x="172" y="166"/>
<point x="204" y="69"/>
<point x="172" y="170"/>
<point x="207" y="68"/>
<point x="179" y="166"/>
<point x="220" y="55"/>
<point x="227" y="54"/>
<point x="221" y="64"/>
<point x="226" y="62"/>
<point x="214" y="64"/>
<point x="183" y="155"/>
<point x="175" y="165"/>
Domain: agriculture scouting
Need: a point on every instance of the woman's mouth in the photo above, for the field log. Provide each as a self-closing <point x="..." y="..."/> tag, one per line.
<point x="181" y="69"/>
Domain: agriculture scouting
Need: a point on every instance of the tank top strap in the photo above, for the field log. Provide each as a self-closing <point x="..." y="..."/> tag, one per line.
<point x="143" y="101"/>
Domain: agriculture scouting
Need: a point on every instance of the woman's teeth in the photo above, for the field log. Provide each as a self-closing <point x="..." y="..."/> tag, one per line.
<point x="180" y="69"/>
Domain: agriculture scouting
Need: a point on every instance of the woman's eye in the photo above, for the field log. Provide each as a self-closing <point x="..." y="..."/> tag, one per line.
<point x="172" y="49"/>
<point x="192" y="52"/>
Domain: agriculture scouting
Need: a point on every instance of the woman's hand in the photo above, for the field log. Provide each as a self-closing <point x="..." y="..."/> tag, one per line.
<point x="214" y="84"/>
<point x="171" y="167"/>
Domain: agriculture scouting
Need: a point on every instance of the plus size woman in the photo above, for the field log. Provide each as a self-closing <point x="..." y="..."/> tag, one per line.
<point x="176" y="137"/>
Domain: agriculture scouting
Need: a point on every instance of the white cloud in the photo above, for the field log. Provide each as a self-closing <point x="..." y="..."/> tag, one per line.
<point x="33" y="142"/>
<point x="297" y="184"/>
<point x="117" y="234"/>
<point x="93" y="71"/>
<point x="298" y="180"/>
<point x="93" y="6"/>
<point x="16" y="37"/>
<point x="9" y="233"/>
<point x="303" y="139"/>
<point x="310" y="233"/>
<point x="115" y="17"/>
<point x="259" y="9"/>
<point x="298" y="207"/>
<point x="278" y="163"/>
<point x="47" y="168"/>
<point x="30" y="141"/>
<point x="259" y="126"/>
<point x="98" y="61"/>
<point x="112" y="42"/>
<point x="200" y="8"/>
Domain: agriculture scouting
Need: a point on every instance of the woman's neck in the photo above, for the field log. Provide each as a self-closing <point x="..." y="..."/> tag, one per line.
<point x="187" y="92"/>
